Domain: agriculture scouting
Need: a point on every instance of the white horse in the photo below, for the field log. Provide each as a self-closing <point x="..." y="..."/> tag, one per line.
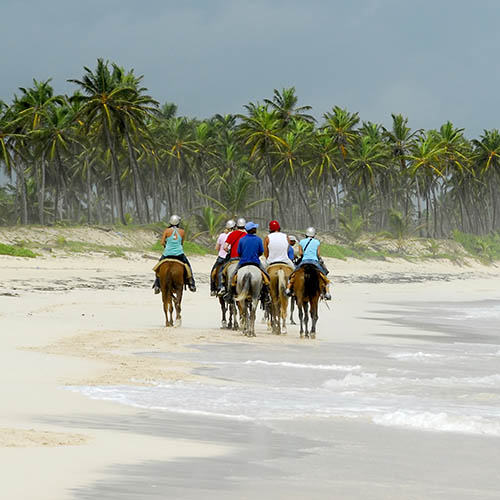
<point x="248" y="288"/>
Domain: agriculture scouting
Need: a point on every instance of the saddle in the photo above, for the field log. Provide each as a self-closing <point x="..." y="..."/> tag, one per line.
<point x="265" y="277"/>
<point x="187" y="271"/>
<point x="270" y="266"/>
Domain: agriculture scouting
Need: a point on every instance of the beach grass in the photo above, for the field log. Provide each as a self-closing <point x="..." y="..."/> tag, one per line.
<point x="16" y="251"/>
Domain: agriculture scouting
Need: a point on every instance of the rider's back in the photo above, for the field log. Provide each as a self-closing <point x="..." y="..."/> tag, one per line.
<point x="278" y="247"/>
<point x="173" y="242"/>
<point x="309" y="248"/>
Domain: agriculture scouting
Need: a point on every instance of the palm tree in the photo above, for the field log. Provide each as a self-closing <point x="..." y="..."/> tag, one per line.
<point x="260" y="132"/>
<point x="285" y="105"/>
<point x="104" y="102"/>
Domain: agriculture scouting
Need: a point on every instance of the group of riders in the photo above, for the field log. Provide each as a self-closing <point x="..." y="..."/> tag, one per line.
<point x="240" y="242"/>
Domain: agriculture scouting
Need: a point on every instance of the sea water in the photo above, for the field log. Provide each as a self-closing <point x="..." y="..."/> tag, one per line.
<point x="452" y="385"/>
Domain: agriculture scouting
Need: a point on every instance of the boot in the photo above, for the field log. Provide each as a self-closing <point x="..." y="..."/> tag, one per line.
<point x="156" y="286"/>
<point x="191" y="285"/>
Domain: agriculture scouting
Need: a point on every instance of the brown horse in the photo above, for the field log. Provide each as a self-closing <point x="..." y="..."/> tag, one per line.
<point x="308" y="285"/>
<point x="279" y="274"/>
<point x="171" y="274"/>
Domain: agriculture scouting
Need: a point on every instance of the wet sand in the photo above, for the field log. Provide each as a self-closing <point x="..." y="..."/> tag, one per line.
<point x="86" y="321"/>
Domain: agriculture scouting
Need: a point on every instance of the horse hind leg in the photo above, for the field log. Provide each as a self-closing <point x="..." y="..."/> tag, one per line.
<point x="177" y="303"/>
<point x="306" y="319"/>
<point x="292" y="307"/>
<point x="314" y="318"/>
<point x="301" y="320"/>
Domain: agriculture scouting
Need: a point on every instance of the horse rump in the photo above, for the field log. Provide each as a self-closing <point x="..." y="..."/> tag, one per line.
<point x="311" y="281"/>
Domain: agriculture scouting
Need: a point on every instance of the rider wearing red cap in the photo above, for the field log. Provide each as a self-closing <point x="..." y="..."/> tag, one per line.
<point x="276" y="245"/>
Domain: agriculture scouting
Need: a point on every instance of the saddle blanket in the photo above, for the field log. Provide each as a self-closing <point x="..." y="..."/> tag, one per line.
<point x="270" y="266"/>
<point x="186" y="267"/>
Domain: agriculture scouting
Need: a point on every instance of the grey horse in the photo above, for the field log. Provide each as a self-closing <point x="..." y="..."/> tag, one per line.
<point x="248" y="288"/>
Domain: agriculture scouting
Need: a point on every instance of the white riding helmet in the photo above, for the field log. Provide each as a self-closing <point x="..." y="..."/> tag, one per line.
<point x="311" y="232"/>
<point x="291" y="237"/>
<point x="175" y="220"/>
<point x="241" y="222"/>
<point x="230" y="224"/>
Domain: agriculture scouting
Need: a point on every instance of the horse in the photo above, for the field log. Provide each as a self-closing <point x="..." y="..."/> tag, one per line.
<point x="222" y="300"/>
<point x="171" y="274"/>
<point x="248" y="288"/>
<point x="226" y="301"/>
<point x="279" y="274"/>
<point x="308" y="283"/>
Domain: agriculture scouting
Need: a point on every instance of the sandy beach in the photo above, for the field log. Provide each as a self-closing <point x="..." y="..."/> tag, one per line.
<point x="93" y="322"/>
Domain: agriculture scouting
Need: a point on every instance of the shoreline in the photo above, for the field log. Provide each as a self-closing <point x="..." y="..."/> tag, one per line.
<point x="63" y="326"/>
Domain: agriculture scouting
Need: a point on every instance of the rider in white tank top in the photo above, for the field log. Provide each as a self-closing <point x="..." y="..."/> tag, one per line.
<point x="277" y="245"/>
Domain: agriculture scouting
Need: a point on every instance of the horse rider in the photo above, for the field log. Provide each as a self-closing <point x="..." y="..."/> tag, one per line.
<point x="276" y="245"/>
<point x="309" y="253"/>
<point x="221" y="255"/>
<point x="172" y="241"/>
<point x="231" y="247"/>
<point x="250" y="248"/>
<point x="291" y="250"/>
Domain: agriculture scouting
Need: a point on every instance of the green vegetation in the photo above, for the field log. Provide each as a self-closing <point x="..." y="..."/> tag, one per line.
<point x="485" y="248"/>
<point x="110" y="154"/>
<point x="15" y="251"/>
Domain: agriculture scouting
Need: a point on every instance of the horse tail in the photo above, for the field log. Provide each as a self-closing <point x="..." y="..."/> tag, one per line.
<point x="245" y="287"/>
<point x="281" y="283"/>
<point x="311" y="281"/>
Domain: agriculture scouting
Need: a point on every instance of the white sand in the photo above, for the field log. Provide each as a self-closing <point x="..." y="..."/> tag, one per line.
<point x="71" y="335"/>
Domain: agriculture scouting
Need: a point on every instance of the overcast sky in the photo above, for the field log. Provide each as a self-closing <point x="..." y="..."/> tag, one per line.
<point x="432" y="60"/>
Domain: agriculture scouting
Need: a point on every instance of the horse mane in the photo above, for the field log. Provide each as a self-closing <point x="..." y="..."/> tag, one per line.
<point x="311" y="281"/>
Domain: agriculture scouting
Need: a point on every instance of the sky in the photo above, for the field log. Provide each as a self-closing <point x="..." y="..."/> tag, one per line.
<point x="431" y="60"/>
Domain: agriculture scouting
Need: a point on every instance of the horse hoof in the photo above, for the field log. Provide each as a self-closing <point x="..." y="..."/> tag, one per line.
<point x="177" y="323"/>
<point x="313" y="336"/>
<point x="223" y="325"/>
<point x="292" y="322"/>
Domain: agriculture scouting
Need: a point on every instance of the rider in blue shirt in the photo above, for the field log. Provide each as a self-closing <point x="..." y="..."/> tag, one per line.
<point x="250" y="248"/>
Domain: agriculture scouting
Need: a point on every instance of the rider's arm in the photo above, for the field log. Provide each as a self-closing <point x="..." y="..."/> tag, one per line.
<point x="165" y="235"/>
<point x="182" y="233"/>
<point x="266" y="247"/>
<point x="318" y="251"/>
<point x="301" y="251"/>
<point x="227" y="245"/>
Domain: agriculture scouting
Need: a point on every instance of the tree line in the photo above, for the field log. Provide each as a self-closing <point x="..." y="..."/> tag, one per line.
<point x="110" y="153"/>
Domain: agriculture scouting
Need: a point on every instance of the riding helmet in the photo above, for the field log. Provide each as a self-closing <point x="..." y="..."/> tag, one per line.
<point x="241" y="222"/>
<point x="230" y="224"/>
<point x="175" y="220"/>
<point x="311" y="232"/>
<point x="274" y="225"/>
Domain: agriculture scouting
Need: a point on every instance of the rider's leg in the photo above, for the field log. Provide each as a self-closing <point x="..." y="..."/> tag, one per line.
<point x="326" y="291"/>
<point x="213" y="279"/>
<point x="156" y="284"/>
<point x="191" y="283"/>
<point x="220" y="281"/>
<point x="289" y="286"/>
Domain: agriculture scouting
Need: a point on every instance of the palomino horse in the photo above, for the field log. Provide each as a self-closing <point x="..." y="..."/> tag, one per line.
<point x="248" y="288"/>
<point x="279" y="274"/>
<point x="171" y="274"/>
<point x="308" y="284"/>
